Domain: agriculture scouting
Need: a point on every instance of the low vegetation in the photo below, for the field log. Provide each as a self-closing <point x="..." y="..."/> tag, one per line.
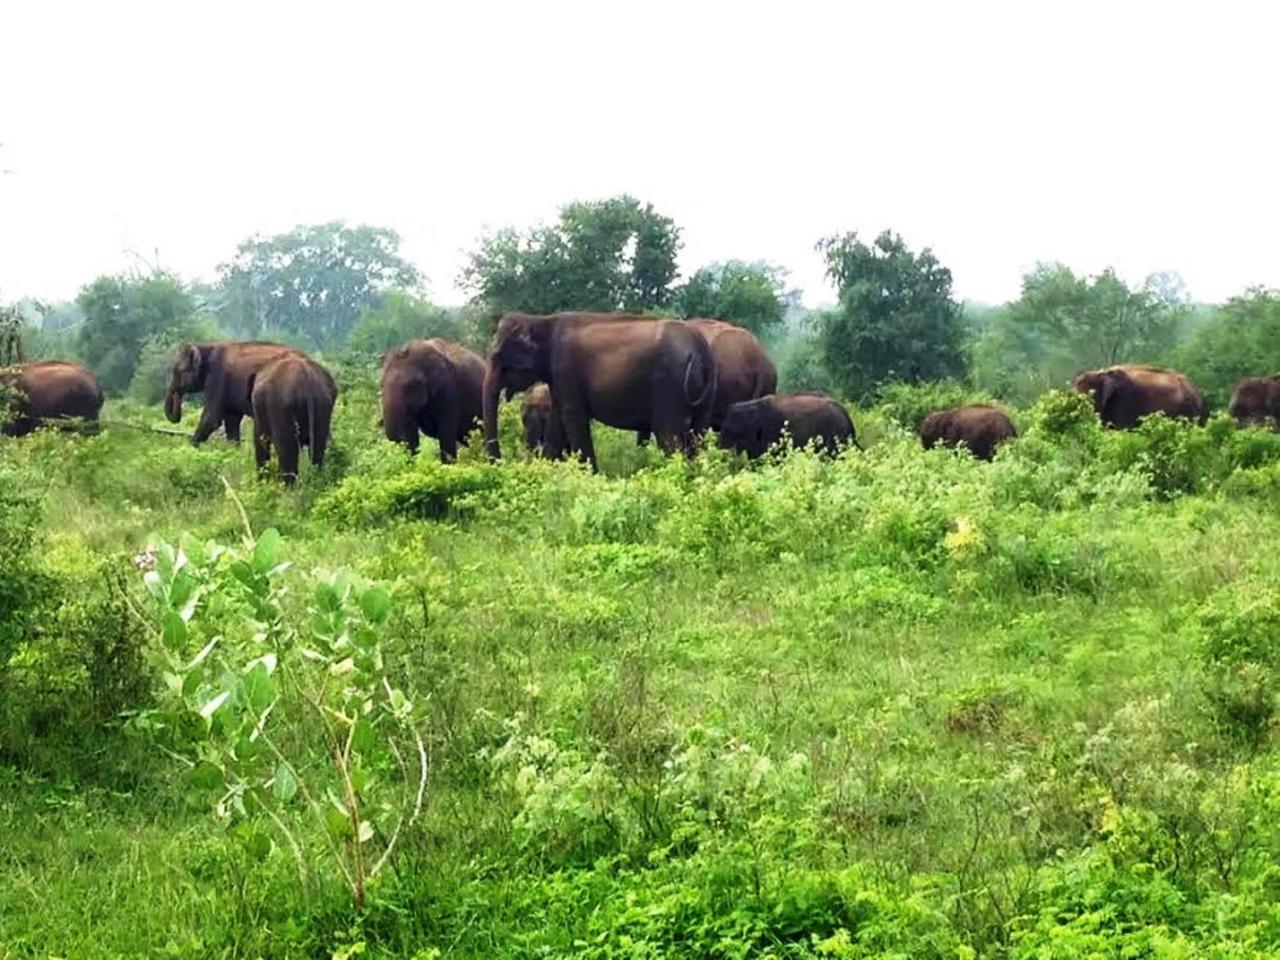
<point x="899" y="703"/>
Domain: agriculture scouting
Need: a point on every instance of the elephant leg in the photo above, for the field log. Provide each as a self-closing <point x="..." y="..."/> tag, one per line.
<point x="261" y="443"/>
<point x="642" y="438"/>
<point x="284" y="437"/>
<point x="577" y="429"/>
<point x="231" y="423"/>
<point x="319" y="439"/>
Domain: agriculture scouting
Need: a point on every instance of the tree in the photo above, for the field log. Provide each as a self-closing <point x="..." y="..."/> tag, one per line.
<point x="1241" y="339"/>
<point x="399" y="317"/>
<point x="1063" y="323"/>
<point x="121" y="314"/>
<point x="604" y="255"/>
<point x="311" y="283"/>
<point x="895" y="320"/>
<point x="752" y="295"/>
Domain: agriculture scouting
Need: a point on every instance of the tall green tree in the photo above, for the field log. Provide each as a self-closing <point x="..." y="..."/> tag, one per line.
<point x="312" y="283"/>
<point x="615" y="254"/>
<point x="1240" y="339"/>
<point x="896" y="319"/>
<point x="400" y="316"/>
<point x="124" y="312"/>
<point x="752" y="295"/>
<point x="1064" y="322"/>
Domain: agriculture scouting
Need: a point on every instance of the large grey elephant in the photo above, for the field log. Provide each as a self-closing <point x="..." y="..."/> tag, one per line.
<point x="45" y="391"/>
<point x="1124" y="394"/>
<point x="630" y="372"/>
<point x="223" y="371"/>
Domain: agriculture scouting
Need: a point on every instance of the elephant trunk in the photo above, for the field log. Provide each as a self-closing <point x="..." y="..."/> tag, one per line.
<point x="492" y="387"/>
<point x="173" y="405"/>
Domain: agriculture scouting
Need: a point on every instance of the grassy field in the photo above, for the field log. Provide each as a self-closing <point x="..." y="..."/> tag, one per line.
<point x="899" y="704"/>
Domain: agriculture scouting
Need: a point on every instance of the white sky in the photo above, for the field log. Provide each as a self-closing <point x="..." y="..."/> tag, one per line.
<point x="1137" y="134"/>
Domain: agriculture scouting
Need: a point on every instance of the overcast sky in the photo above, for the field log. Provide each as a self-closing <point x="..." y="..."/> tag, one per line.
<point x="1142" y="135"/>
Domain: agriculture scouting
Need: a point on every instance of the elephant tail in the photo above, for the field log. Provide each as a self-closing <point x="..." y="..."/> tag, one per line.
<point x="853" y="430"/>
<point x="703" y="401"/>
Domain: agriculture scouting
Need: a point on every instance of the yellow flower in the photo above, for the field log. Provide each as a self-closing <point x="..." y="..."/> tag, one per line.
<point x="965" y="539"/>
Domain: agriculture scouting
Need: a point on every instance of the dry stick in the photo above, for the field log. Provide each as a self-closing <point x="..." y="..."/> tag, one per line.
<point x="244" y="517"/>
<point x="293" y="842"/>
<point x="343" y="757"/>
<point x="316" y="809"/>
<point x="145" y="426"/>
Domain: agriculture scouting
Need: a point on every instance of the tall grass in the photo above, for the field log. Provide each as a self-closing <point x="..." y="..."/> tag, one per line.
<point x="899" y="703"/>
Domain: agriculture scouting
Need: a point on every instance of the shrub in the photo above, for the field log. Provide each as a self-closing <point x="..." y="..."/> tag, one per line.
<point x="907" y="404"/>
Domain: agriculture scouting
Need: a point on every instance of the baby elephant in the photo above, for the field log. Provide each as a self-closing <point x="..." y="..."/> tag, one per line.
<point x="980" y="427"/>
<point x="753" y="426"/>
<point x="541" y="431"/>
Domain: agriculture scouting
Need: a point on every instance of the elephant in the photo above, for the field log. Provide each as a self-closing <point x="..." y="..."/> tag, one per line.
<point x="224" y="373"/>
<point x="753" y="426"/>
<point x="627" y="371"/>
<point x="433" y="387"/>
<point x="979" y="426"/>
<point x="542" y="434"/>
<point x="1124" y="394"/>
<point x="743" y="368"/>
<point x="1256" y="402"/>
<point x="292" y="403"/>
<point x="45" y="390"/>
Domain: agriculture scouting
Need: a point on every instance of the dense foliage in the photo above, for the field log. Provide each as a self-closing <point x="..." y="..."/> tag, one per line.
<point x="1242" y="339"/>
<point x="615" y="254"/>
<point x="1064" y="323"/>
<point x="123" y="315"/>
<point x="399" y="317"/>
<point x="899" y="703"/>
<point x="896" y="319"/>
<point x="752" y="295"/>
<point x="310" y="284"/>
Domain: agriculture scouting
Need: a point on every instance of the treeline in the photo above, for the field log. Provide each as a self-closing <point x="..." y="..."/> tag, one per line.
<point x="334" y="288"/>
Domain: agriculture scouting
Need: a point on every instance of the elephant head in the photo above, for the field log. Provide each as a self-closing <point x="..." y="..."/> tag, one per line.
<point x="1256" y="401"/>
<point x="187" y="376"/>
<point x="934" y="427"/>
<point x="751" y="427"/>
<point x="519" y="358"/>
<point x="1103" y="385"/>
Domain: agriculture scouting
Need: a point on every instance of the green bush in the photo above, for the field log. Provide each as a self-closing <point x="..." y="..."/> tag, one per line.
<point x="907" y="404"/>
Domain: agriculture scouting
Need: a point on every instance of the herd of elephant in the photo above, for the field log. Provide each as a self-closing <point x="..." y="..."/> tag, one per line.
<point x="669" y="379"/>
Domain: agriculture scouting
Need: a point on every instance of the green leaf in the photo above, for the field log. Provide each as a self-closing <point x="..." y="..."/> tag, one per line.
<point x="211" y="707"/>
<point x="336" y="802"/>
<point x="339" y="825"/>
<point x="173" y="630"/>
<point x="259" y="688"/>
<point x="327" y="599"/>
<point x="191" y="683"/>
<point x="286" y="784"/>
<point x="266" y="552"/>
<point x="376" y="604"/>
<point x="207" y="776"/>
<point x="154" y="584"/>
<point x="207" y="649"/>
<point x="364" y="738"/>
<point x="255" y="843"/>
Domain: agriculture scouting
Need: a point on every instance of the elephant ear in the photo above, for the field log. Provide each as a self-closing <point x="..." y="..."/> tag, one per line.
<point x="1114" y="383"/>
<point x="191" y="360"/>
